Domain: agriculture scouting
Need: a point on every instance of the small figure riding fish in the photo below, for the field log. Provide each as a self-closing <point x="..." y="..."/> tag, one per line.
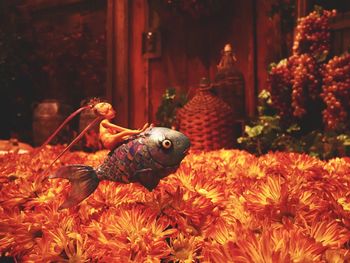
<point x="144" y="158"/>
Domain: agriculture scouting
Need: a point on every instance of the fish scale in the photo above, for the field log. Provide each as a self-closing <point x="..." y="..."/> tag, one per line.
<point x="121" y="164"/>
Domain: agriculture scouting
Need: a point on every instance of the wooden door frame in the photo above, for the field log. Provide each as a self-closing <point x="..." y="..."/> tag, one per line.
<point x="117" y="89"/>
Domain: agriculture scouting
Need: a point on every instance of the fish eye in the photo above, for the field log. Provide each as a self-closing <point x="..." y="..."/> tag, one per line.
<point x="166" y="144"/>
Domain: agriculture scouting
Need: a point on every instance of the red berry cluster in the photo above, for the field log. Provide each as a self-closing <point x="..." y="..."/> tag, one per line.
<point x="336" y="91"/>
<point x="300" y="75"/>
<point x="305" y="82"/>
<point x="293" y="83"/>
<point x="312" y="34"/>
<point x="280" y="83"/>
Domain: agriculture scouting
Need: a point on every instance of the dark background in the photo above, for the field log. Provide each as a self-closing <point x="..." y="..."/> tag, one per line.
<point x="62" y="50"/>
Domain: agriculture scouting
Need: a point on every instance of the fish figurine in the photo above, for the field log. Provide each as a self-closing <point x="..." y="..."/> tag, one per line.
<point x="145" y="158"/>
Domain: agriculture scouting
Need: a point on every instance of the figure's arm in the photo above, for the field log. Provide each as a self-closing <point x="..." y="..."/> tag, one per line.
<point x="108" y="125"/>
<point x="114" y="139"/>
<point x="111" y="140"/>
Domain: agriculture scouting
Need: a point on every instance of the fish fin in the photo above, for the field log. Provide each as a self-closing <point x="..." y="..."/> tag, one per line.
<point x="83" y="181"/>
<point x="145" y="177"/>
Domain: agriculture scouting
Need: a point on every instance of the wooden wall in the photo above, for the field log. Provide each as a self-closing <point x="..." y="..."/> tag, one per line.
<point x="191" y="50"/>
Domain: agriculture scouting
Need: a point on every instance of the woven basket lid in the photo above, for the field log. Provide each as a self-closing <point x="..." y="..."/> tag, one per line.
<point x="207" y="120"/>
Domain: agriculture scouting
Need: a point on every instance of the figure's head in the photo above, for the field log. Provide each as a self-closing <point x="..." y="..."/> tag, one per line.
<point x="105" y="109"/>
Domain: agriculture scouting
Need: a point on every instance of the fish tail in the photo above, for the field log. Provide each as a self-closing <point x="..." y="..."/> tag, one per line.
<point x="83" y="181"/>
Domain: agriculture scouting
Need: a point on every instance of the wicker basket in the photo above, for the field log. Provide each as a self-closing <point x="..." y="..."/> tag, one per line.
<point x="207" y="120"/>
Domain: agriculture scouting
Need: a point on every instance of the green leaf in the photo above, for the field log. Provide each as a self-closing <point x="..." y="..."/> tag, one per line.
<point x="271" y="66"/>
<point x="272" y="122"/>
<point x="318" y="9"/>
<point x="261" y="110"/>
<point x="342" y="137"/>
<point x="314" y="154"/>
<point x="264" y="94"/>
<point x="346" y="142"/>
<point x="321" y="57"/>
<point x="293" y="128"/>
<point x="283" y="62"/>
<point x="254" y="131"/>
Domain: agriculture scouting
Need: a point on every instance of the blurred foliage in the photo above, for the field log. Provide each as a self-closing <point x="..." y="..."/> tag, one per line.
<point x="166" y="113"/>
<point x="40" y="58"/>
<point x="266" y="133"/>
<point x="76" y="58"/>
<point x="16" y="83"/>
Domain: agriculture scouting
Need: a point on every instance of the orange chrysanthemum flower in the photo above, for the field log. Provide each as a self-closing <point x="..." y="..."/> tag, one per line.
<point x="184" y="248"/>
<point x="110" y="194"/>
<point x="220" y="206"/>
<point x="338" y="167"/>
<point x="278" y="245"/>
<point x="191" y="211"/>
<point x="303" y="248"/>
<point x="345" y="202"/>
<point x="310" y="166"/>
<point x="221" y="232"/>
<point x="235" y="210"/>
<point x="18" y="234"/>
<point x="69" y="246"/>
<point x="130" y="231"/>
<point x="265" y="197"/>
<point x="217" y="253"/>
<point x="329" y="233"/>
<point x="337" y="255"/>
<point x="260" y="249"/>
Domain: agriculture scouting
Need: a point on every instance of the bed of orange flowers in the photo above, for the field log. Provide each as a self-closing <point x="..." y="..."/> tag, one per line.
<point x="221" y="206"/>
